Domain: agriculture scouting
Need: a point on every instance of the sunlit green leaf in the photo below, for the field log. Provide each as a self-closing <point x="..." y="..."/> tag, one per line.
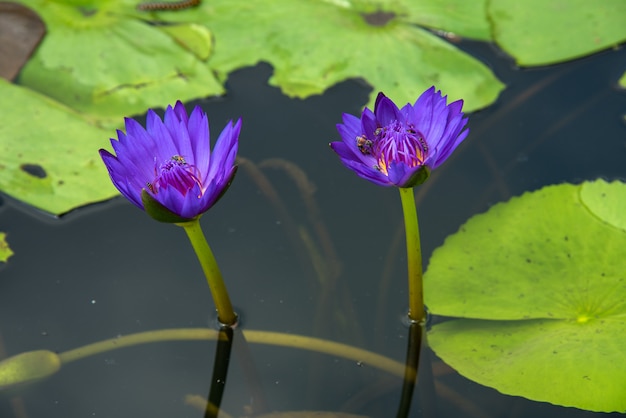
<point x="563" y="362"/>
<point x="540" y="32"/>
<point x="5" y="250"/>
<point x="51" y="159"/>
<point x="544" y="278"/>
<point x="195" y="38"/>
<point x="541" y="255"/>
<point x="607" y="201"/>
<point x="110" y="64"/>
<point x="458" y="17"/>
<point x="313" y="45"/>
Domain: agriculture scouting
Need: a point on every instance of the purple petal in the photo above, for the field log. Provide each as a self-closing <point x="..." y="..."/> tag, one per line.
<point x="181" y="112"/>
<point x="165" y="145"/>
<point x="350" y="129"/>
<point x="225" y="150"/>
<point x="385" y="110"/>
<point x="200" y="141"/>
<point x="180" y="134"/>
<point x="369" y="124"/>
<point x="364" y="171"/>
<point x="119" y="177"/>
<point x="399" y="173"/>
<point x="451" y="146"/>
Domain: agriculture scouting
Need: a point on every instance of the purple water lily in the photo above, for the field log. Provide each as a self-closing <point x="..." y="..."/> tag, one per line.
<point x="171" y="163"/>
<point x="399" y="147"/>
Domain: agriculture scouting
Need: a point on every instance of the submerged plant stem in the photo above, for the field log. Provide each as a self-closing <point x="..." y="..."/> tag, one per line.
<point x="413" y="256"/>
<point x="252" y="336"/>
<point x="225" y="313"/>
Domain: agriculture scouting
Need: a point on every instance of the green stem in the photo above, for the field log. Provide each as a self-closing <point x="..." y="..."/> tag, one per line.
<point x="225" y="313"/>
<point x="252" y="336"/>
<point x="35" y="365"/>
<point x="413" y="256"/>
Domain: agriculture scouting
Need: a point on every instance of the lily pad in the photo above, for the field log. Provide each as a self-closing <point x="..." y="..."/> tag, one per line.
<point x="51" y="160"/>
<point x="607" y="201"/>
<point x="541" y="32"/>
<point x="543" y="279"/>
<point x="463" y="18"/>
<point x="109" y="64"/>
<point x="558" y="361"/>
<point x="5" y="250"/>
<point x="313" y="45"/>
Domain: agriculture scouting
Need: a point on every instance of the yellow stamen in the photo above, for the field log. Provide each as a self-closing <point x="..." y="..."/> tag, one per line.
<point x="382" y="166"/>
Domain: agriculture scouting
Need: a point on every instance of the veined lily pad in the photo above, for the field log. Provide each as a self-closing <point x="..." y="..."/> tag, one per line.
<point x="49" y="161"/>
<point x="542" y="281"/>
<point x="5" y="250"/>
<point x="104" y="62"/>
<point x="541" y="32"/>
<point x="313" y="45"/>
<point x="453" y="17"/>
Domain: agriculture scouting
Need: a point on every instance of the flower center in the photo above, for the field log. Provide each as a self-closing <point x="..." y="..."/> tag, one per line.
<point x="396" y="142"/>
<point x="176" y="173"/>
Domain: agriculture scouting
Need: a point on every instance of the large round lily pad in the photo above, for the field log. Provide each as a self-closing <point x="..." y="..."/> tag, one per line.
<point x="543" y="279"/>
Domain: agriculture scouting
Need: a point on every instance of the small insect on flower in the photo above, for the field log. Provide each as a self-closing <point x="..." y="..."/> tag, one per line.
<point x="399" y="147"/>
<point x="363" y="144"/>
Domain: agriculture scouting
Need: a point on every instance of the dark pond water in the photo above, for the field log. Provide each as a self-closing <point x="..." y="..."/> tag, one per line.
<point x="109" y="270"/>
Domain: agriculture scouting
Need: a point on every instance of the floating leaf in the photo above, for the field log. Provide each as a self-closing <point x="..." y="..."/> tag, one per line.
<point x="607" y="201"/>
<point x="5" y="250"/>
<point x="558" y="361"/>
<point x="110" y="64"/>
<point x="51" y="160"/>
<point x="456" y="17"/>
<point x="195" y="38"/>
<point x="544" y="276"/>
<point x="540" y="32"/>
<point x="315" y="44"/>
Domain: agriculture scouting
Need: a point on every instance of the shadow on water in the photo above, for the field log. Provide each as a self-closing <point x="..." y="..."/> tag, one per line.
<point x="305" y="248"/>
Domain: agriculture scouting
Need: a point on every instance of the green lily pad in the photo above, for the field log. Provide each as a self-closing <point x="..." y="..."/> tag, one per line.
<point x="5" y="250"/>
<point x="622" y="81"/>
<point x="540" y="32"/>
<point x="315" y="44"/>
<point x="110" y="64"/>
<point x="558" y="361"/>
<point x="543" y="280"/>
<point x="463" y="18"/>
<point x="51" y="160"/>
<point x="606" y="201"/>
<point x="195" y="38"/>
